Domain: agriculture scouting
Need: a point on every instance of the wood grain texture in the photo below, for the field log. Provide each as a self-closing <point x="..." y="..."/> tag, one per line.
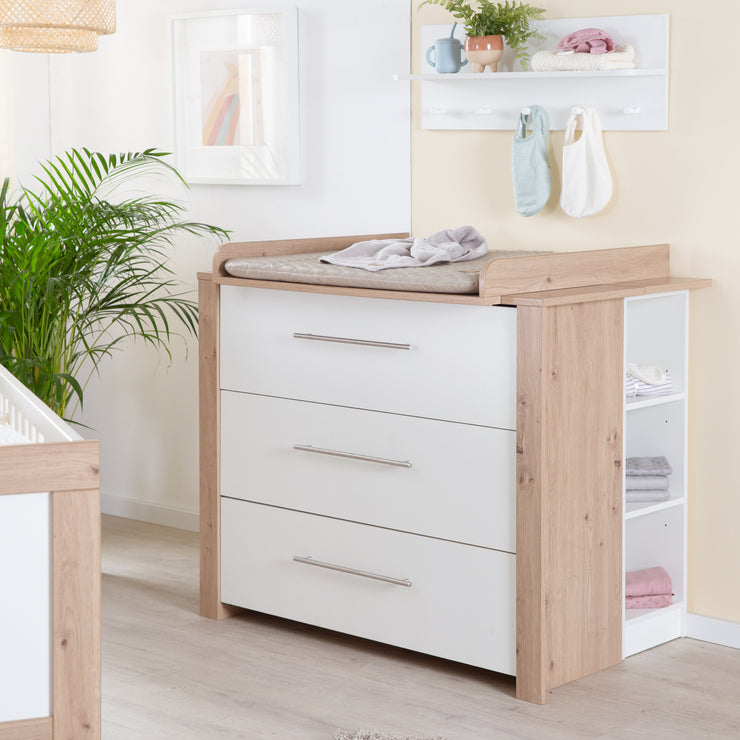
<point x="28" y="729"/>
<point x="209" y="370"/>
<point x="76" y="615"/>
<point x="573" y="269"/>
<point x="62" y="466"/>
<point x="289" y="246"/>
<point x="603" y="292"/>
<point x="573" y="442"/>
<point x="530" y="448"/>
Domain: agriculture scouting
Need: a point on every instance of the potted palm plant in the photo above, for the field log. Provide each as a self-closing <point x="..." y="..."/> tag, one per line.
<point x="83" y="266"/>
<point x="489" y="25"/>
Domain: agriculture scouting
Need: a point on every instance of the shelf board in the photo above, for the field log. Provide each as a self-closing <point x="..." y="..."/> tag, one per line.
<point x="498" y="76"/>
<point x="634" y="616"/>
<point x="640" y="402"/>
<point x="635" y="510"/>
<point x="646" y="628"/>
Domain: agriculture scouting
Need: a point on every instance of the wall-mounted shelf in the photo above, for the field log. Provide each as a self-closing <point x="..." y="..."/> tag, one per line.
<point x="626" y="100"/>
<point x="463" y="76"/>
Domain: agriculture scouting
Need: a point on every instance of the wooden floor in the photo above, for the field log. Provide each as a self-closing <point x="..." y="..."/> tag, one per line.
<point x="168" y="673"/>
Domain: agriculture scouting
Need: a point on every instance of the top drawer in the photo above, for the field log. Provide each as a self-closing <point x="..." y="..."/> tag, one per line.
<point x="435" y="360"/>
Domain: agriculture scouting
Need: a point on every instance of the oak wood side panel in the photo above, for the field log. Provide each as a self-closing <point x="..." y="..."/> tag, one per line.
<point x="49" y="467"/>
<point x="569" y="493"/>
<point x="573" y="269"/>
<point x="76" y="615"/>
<point x="530" y="602"/>
<point x="27" y="729"/>
<point x="582" y="501"/>
<point x="289" y="246"/>
<point x="210" y="452"/>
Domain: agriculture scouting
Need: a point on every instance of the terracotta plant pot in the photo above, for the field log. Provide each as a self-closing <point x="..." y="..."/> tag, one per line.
<point x="484" y="51"/>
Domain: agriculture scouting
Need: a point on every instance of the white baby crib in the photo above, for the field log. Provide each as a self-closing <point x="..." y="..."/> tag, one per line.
<point x="49" y="573"/>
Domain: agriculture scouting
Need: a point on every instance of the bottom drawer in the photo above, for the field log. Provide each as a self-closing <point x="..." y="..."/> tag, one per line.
<point x="460" y="603"/>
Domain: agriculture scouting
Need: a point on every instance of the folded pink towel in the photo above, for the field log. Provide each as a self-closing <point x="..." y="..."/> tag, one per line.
<point x="648" y="582"/>
<point x="658" y="601"/>
<point x="588" y="41"/>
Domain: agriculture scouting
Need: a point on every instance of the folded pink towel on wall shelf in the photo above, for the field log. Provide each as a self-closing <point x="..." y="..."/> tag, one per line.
<point x="648" y="582"/>
<point x="587" y="41"/>
<point x="658" y="601"/>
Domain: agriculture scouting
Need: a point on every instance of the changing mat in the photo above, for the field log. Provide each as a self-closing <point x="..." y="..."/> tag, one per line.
<point x="456" y="277"/>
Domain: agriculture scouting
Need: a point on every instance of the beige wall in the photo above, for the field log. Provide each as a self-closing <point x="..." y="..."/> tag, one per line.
<point x="680" y="187"/>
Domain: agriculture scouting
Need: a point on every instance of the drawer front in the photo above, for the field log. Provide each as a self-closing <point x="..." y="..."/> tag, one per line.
<point x="438" y="478"/>
<point x="460" y="604"/>
<point x="434" y="360"/>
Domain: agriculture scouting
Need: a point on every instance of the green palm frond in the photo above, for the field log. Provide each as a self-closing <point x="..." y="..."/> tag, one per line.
<point x="84" y="266"/>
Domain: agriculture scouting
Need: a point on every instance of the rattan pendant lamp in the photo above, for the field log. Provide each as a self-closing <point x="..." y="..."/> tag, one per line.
<point x="55" y="26"/>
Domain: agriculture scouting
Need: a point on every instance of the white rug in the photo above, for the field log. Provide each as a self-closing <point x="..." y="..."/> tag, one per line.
<point x="374" y="735"/>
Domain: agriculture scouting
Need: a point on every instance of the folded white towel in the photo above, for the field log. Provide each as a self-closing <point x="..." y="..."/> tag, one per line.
<point x="650" y="374"/>
<point x="623" y="57"/>
<point x="647" y="380"/>
<point x="450" y="245"/>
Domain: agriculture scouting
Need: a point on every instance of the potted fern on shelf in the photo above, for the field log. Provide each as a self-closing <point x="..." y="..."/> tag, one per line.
<point x="83" y="267"/>
<point x="489" y="25"/>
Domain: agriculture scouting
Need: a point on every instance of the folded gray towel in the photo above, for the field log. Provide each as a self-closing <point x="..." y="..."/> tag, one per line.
<point x="450" y="245"/>
<point x="647" y="466"/>
<point x="644" y="497"/>
<point x="646" y="482"/>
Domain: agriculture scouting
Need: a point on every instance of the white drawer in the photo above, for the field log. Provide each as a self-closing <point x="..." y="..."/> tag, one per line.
<point x="460" y="484"/>
<point x="460" y="604"/>
<point x="452" y="362"/>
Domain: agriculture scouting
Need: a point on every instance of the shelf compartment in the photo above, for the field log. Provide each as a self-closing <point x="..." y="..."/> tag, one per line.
<point x="659" y="429"/>
<point x="656" y="334"/>
<point x="654" y="539"/>
<point x="626" y="100"/>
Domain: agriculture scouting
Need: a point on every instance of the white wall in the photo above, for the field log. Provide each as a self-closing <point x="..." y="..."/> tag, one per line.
<point x="355" y="179"/>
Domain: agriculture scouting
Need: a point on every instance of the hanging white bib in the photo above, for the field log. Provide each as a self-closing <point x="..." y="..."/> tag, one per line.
<point x="587" y="182"/>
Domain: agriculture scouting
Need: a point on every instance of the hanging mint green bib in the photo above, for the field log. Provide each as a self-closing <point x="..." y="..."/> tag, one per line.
<point x="529" y="164"/>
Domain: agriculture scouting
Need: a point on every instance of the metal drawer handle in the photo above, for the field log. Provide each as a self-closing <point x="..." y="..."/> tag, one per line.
<point x="308" y="560"/>
<point x="353" y="456"/>
<point x="344" y="340"/>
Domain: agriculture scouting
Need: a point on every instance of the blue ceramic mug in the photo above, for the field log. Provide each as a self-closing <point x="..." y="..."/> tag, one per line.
<point x="447" y="56"/>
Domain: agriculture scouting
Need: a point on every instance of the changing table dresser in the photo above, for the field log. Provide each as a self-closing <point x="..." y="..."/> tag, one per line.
<point x="441" y="472"/>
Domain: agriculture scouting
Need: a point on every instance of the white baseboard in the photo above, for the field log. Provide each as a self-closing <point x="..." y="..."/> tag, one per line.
<point x="718" y="631"/>
<point x="144" y="511"/>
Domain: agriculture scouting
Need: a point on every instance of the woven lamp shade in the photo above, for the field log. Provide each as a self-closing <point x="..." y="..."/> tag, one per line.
<point x="55" y="26"/>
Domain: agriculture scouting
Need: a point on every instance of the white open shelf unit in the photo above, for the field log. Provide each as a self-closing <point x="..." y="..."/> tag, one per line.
<point x="626" y="100"/>
<point x="656" y="333"/>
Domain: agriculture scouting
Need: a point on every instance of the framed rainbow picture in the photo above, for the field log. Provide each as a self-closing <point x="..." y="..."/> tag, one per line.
<point x="236" y="106"/>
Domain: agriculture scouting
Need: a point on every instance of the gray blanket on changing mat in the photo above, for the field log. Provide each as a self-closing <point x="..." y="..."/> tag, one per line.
<point x="450" y="245"/>
<point x="647" y="466"/>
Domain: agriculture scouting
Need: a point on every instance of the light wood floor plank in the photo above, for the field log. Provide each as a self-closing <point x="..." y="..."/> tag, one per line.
<point x="169" y="673"/>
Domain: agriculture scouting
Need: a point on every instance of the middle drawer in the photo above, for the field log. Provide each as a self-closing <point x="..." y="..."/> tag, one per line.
<point x="441" y="479"/>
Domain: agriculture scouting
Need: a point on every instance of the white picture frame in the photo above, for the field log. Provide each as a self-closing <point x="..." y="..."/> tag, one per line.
<point x="236" y="96"/>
